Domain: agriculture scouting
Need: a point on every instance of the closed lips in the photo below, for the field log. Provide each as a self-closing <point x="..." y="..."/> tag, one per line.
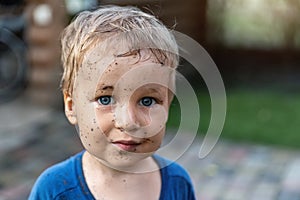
<point x="127" y="145"/>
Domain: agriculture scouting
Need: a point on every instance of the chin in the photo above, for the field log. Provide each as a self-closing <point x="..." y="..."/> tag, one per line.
<point x="127" y="161"/>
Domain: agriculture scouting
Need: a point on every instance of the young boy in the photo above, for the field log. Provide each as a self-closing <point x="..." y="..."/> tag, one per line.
<point x="118" y="82"/>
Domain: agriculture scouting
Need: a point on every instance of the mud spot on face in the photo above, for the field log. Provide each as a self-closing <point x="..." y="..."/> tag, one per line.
<point x="122" y="153"/>
<point x="149" y="140"/>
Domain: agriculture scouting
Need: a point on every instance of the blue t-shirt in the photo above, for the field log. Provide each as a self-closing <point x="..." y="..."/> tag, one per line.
<point x="65" y="180"/>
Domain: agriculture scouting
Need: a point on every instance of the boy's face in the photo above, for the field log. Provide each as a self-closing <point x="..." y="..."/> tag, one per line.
<point x="121" y="110"/>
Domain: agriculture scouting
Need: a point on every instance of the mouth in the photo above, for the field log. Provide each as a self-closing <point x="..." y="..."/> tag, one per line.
<point x="127" y="145"/>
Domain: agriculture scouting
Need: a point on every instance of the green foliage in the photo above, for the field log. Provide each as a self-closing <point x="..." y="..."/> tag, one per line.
<point x="254" y="23"/>
<point x="259" y="116"/>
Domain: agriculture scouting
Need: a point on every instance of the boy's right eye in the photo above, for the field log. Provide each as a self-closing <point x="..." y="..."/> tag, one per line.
<point x="105" y="100"/>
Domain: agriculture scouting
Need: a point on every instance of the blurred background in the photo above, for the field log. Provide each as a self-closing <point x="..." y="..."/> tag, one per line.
<point x="254" y="43"/>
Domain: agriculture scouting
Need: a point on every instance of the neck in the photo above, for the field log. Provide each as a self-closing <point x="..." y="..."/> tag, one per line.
<point x="103" y="180"/>
<point x="144" y="166"/>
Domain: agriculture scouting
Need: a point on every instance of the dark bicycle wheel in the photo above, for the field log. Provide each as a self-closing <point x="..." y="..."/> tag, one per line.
<point x="13" y="61"/>
<point x="13" y="65"/>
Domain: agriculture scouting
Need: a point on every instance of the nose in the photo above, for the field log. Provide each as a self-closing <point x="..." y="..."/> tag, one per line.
<point x="126" y="118"/>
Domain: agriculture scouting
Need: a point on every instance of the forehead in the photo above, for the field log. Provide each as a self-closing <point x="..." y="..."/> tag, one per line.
<point x="103" y="63"/>
<point x="121" y="72"/>
<point x="132" y="73"/>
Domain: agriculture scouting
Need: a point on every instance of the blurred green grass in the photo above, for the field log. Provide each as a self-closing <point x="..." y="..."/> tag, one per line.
<point x="254" y="116"/>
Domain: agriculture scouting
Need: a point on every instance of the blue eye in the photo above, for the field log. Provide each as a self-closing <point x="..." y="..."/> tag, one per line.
<point x="147" y="101"/>
<point x="105" y="100"/>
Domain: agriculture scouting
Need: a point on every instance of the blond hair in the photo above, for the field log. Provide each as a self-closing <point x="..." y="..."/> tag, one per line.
<point x="93" y="27"/>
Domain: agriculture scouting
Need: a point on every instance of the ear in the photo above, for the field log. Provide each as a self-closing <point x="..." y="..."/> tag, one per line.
<point x="69" y="108"/>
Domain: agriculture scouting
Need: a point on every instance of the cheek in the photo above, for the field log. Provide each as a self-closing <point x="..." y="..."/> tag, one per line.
<point x="156" y="121"/>
<point x="104" y="120"/>
<point x="143" y="116"/>
<point x="92" y="127"/>
<point x="153" y="143"/>
<point x="95" y="136"/>
<point x="159" y="137"/>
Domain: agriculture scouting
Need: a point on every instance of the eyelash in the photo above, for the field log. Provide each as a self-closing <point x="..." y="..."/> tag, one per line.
<point x="142" y="101"/>
<point x="108" y="100"/>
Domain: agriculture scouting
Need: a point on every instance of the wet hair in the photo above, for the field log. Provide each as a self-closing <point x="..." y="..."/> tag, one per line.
<point x="137" y="30"/>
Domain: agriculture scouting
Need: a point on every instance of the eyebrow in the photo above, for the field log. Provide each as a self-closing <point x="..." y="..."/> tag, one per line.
<point x="154" y="91"/>
<point x="107" y="87"/>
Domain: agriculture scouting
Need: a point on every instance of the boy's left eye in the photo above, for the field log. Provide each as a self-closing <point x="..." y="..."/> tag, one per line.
<point x="147" y="101"/>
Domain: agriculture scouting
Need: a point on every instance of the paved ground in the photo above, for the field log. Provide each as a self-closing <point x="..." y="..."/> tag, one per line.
<point x="32" y="138"/>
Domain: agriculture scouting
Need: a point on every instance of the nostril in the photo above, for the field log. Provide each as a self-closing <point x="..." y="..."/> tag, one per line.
<point x="124" y="119"/>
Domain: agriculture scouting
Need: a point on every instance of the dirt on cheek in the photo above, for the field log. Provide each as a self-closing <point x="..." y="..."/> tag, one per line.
<point x="148" y="140"/>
